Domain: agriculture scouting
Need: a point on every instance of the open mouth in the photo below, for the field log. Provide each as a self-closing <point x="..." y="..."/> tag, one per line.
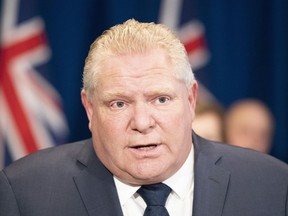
<point x="145" y="147"/>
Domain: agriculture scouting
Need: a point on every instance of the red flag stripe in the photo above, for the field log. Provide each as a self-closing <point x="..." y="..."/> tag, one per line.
<point x="16" y="49"/>
<point x="9" y="91"/>
<point x="195" y="44"/>
<point x="18" y="113"/>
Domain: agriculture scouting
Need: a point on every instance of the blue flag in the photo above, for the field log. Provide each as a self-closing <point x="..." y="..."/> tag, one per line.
<point x="31" y="116"/>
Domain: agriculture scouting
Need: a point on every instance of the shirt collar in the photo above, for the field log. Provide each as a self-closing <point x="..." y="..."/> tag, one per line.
<point x="180" y="183"/>
<point x="125" y="191"/>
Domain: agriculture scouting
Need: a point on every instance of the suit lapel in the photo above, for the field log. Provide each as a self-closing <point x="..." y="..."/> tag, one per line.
<point x="211" y="181"/>
<point x="96" y="185"/>
<point x="98" y="192"/>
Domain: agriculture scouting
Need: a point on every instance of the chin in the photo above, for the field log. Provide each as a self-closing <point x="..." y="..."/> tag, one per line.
<point x="152" y="177"/>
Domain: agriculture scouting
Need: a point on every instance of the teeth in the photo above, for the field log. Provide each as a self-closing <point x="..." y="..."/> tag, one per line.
<point x="146" y="147"/>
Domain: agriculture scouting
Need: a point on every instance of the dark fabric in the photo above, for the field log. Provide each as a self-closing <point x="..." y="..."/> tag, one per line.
<point x="155" y="196"/>
<point x="65" y="181"/>
<point x="235" y="181"/>
<point x="70" y="180"/>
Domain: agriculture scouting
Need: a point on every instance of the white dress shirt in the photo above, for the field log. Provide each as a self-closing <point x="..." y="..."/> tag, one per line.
<point x="179" y="201"/>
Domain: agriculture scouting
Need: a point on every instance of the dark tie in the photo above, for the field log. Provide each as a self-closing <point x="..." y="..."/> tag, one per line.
<point x="155" y="196"/>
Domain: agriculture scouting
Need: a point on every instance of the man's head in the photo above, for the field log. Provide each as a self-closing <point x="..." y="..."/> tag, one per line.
<point x="134" y="37"/>
<point x="249" y="123"/>
<point x="209" y="121"/>
<point x="139" y="94"/>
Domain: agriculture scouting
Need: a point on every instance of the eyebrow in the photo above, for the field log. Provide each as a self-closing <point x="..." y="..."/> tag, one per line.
<point x="161" y="91"/>
<point x="126" y="94"/>
<point x="111" y="95"/>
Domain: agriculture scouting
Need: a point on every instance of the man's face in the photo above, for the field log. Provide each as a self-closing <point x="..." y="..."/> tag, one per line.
<point x="140" y="117"/>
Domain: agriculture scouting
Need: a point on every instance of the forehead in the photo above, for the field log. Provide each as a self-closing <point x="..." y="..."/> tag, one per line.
<point x="137" y="65"/>
<point x="150" y="71"/>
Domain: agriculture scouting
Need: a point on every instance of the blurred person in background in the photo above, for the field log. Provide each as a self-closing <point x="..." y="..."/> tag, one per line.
<point x="250" y="124"/>
<point x="209" y="121"/>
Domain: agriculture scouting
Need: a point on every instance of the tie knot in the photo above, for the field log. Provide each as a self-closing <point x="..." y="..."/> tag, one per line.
<point x="155" y="194"/>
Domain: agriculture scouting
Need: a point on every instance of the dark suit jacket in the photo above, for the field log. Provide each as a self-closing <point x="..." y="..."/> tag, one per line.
<point x="71" y="181"/>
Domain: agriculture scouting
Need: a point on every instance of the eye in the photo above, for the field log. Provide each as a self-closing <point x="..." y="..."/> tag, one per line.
<point x="117" y="104"/>
<point x="162" y="100"/>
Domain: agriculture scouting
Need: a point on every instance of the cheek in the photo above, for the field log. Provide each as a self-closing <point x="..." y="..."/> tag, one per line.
<point x="105" y="121"/>
<point x="185" y="114"/>
<point x="107" y="137"/>
<point x="108" y="130"/>
<point x="104" y="129"/>
<point x="177" y="120"/>
<point x="190" y="111"/>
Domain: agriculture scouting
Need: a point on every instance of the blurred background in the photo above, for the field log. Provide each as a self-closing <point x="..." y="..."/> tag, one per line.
<point x="238" y="50"/>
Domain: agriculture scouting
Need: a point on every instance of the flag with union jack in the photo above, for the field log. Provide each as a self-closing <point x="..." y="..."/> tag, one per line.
<point x="31" y="116"/>
<point x="181" y="16"/>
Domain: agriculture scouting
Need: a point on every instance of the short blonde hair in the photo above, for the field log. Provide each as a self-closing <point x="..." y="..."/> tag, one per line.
<point x="133" y="37"/>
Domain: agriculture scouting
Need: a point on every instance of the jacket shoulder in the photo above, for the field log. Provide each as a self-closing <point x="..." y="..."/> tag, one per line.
<point x="241" y="160"/>
<point x="53" y="158"/>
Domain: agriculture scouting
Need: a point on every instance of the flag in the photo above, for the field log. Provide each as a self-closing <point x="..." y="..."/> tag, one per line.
<point x="31" y="116"/>
<point x="181" y="17"/>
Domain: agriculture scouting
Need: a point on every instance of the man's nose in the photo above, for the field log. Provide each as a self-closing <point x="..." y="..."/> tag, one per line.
<point x="142" y="119"/>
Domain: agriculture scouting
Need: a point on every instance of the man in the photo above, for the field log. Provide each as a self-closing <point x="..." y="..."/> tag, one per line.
<point x="249" y="124"/>
<point x="139" y="94"/>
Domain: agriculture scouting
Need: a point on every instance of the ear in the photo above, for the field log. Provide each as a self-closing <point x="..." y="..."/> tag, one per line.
<point x="193" y="97"/>
<point x="88" y="106"/>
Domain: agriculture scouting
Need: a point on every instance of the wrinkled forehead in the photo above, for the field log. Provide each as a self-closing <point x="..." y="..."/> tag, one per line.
<point x="137" y="65"/>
